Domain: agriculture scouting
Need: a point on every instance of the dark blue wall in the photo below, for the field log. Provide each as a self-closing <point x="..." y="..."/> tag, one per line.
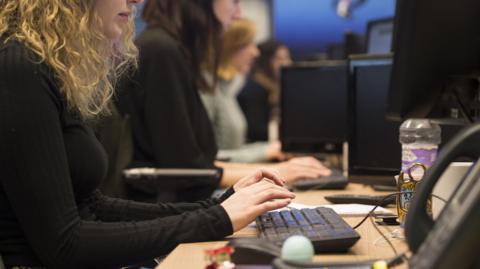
<point x="309" y="26"/>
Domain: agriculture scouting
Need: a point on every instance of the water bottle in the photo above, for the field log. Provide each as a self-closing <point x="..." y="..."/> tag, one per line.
<point x="420" y="139"/>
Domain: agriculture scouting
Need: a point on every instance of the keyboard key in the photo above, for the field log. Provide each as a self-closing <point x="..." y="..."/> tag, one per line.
<point x="287" y="216"/>
<point x="300" y="218"/>
<point x="313" y="216"/>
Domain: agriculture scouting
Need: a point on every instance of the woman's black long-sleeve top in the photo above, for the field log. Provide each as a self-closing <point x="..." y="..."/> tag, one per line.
<point x="171" y="128"/>
<point x="51" y="163"/>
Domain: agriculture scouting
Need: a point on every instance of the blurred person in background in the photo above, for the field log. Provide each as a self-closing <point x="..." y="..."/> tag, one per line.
<point x="170" y="125"/>
<point x="260" y="97"/>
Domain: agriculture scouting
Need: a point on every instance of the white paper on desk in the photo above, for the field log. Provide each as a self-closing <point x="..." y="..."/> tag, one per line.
<point x="346" y="209"/>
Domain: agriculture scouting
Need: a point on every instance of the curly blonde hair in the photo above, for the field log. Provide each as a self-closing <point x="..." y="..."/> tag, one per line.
<point x="65" y="35"/>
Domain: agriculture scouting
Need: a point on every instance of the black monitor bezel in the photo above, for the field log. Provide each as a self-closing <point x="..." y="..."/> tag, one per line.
<point x="354" y="171"/>
<point x="331" y="146"/>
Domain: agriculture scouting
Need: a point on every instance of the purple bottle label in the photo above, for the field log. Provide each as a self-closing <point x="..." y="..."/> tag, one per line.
<point x="412" y="154"/>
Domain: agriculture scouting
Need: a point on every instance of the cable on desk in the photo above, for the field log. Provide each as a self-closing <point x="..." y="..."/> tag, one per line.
<point x="370" y="216"/>
<point x="383" y="200"/>
<point x="383" y="235"/>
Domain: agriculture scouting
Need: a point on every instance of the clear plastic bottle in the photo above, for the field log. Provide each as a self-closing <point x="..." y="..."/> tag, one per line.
<point x="420" y="139"/>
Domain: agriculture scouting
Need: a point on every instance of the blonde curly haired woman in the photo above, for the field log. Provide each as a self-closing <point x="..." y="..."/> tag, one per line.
<point x="59" y="60"/>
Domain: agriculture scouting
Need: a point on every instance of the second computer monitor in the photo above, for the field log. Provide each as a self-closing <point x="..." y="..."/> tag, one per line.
<point x="313" y="107"/>
<point x="373" y="144"/>
<point x="374" y="150"/>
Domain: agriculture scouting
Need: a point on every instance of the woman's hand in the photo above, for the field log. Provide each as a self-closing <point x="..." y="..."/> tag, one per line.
<point x="274" y="151"/>
<point x="301" y="167"/>
<point x="261" y="174"/>
<point x="253" y="200"/>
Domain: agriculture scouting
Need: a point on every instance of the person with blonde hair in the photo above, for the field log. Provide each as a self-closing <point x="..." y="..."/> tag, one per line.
<point x="239" y="52"/>
<point x="59" y="61"/>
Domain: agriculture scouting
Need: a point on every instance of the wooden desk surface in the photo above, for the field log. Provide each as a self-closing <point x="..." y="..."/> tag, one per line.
<point x="370" y="246"/>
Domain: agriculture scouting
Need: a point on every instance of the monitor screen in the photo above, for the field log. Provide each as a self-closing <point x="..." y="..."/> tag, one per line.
<point x="313" y="108"/>
<point x="373" y="141"/>
<point x="379" y="36"/>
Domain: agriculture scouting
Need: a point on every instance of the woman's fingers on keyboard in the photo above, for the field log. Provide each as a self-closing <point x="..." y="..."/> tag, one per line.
<point x="264" y="185"/>
<point x="272" y="175"/>
<point x="272" y="205"/>
<point x="268" y="175"/>
<point x="272" y="194"/>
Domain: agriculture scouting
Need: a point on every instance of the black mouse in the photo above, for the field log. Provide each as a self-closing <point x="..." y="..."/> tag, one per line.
<point x="251" y="250"/>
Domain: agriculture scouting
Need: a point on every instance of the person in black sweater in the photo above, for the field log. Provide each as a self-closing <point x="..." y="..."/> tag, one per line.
<point x="259" y="99"/>
<point x="171" y="127"/>
<point x="57" y="63"/>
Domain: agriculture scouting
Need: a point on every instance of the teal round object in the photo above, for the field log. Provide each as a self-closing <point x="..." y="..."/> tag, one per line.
<point x="297" y="248"/>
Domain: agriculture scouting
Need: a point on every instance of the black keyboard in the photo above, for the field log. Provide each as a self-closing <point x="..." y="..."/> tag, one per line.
<point x="335" y="181"/>
<point x="325" y="228"/>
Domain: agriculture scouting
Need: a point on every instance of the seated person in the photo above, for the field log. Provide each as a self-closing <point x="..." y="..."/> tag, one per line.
<point x="259" y="98"/>
<point x="171" y="127"/>
<point x="58" y="61"/>
<point x="230" y="127"/>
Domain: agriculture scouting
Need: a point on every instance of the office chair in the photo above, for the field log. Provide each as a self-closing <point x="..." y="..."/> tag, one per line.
<point x="145" y="184"/>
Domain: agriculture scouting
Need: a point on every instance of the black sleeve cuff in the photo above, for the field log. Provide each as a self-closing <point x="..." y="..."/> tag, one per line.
<point x="229" y="192"/>
<point x="223" y="225"/>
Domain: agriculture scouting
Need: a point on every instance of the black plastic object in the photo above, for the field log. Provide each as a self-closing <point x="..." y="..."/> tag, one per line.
<point x="335" y="181"/>
<point x="148" y="179"/>
<point x="379" y="200"/>
<point x="253" y="250"/>
<point x="281" y="264"/>
<point x="325" y="228"/>
<point x="368" y="264"/>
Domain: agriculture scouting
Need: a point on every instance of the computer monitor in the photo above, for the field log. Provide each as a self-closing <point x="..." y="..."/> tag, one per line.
<point x="379" y="36"/>
<point x="354" y="43"/>
<point x="374" y="152"/>
<point x="313" y="107"/>
<point x="437" y="53"/>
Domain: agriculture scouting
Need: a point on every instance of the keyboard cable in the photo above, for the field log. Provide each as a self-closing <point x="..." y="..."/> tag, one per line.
<point x="383" y="200"/>
<point x="398" y="258"/>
